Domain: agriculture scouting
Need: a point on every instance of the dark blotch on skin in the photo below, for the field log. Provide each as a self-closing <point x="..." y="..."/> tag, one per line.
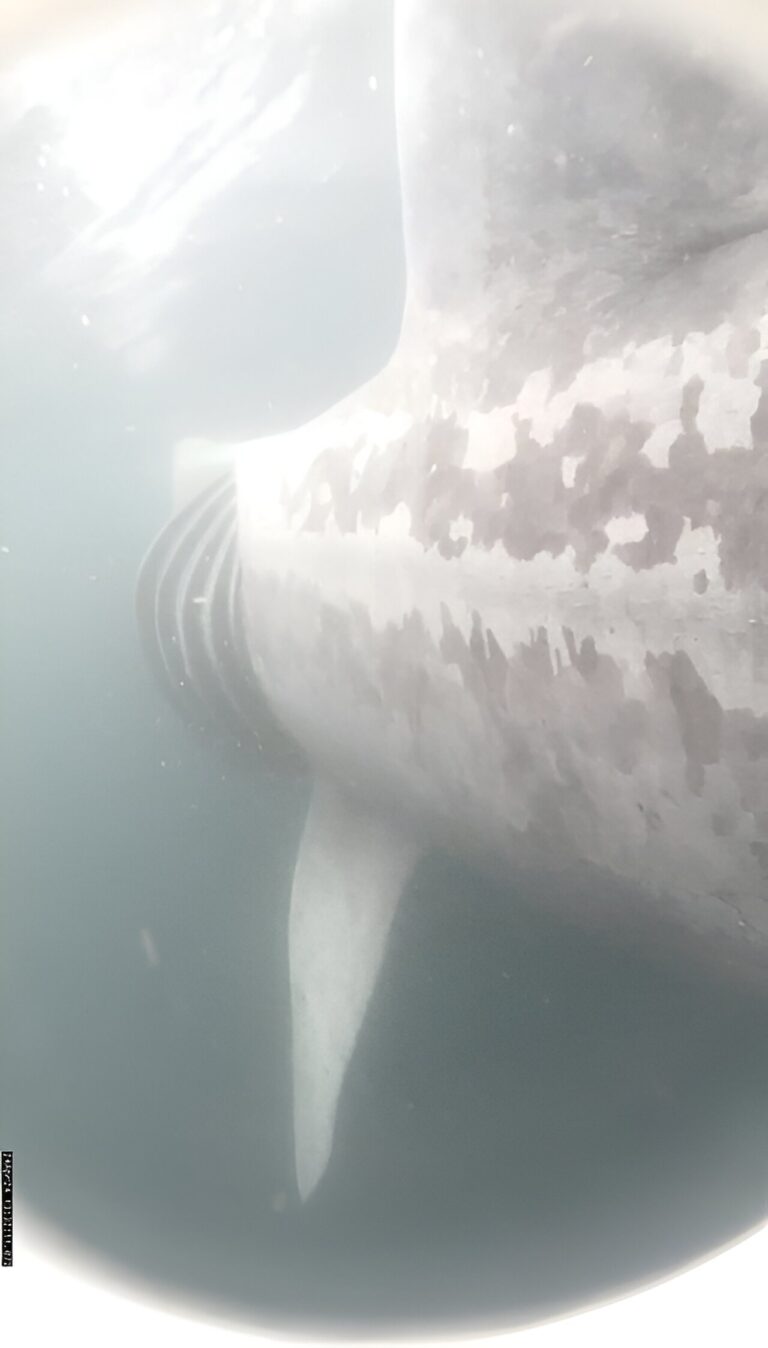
<point x="760" y="850"/>
<point x="699" y="714"/>
<point x="721" y="825"/>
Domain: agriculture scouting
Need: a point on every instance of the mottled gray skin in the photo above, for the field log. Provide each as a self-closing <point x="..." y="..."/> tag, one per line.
<point x="515" y="590"/>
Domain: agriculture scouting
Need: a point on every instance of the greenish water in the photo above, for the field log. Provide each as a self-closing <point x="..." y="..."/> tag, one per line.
<point x="530" y="1120"/>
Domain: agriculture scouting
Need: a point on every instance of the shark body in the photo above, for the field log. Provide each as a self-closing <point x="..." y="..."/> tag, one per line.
<point x="511" y="595"/>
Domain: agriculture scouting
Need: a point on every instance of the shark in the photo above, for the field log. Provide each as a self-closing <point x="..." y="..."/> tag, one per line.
<point x="511" y="596"/>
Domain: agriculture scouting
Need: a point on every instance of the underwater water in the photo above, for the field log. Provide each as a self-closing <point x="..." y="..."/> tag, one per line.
<point x="533" y="1118"/>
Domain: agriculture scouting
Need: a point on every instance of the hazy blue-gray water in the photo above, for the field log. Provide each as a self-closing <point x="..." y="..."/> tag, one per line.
<point x="531" y="1119"/>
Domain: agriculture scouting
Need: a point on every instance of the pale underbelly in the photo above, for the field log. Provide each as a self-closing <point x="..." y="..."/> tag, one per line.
<point x="618" y="725"/>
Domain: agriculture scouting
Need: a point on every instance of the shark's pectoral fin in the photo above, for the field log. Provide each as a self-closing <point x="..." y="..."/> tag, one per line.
<point x="350" y="872"/>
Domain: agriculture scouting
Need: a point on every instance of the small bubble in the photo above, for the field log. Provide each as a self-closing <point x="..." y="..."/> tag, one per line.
<point x="373" y="83"/>
<point x="150" y="949"/>
<point x="85" y="320"/>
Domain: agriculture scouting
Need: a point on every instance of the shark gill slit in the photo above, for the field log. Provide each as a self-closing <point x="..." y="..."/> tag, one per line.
<point x="190" y="619"/>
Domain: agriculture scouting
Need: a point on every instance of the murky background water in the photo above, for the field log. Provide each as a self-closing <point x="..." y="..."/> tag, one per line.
<point x="531" y="1119"/>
